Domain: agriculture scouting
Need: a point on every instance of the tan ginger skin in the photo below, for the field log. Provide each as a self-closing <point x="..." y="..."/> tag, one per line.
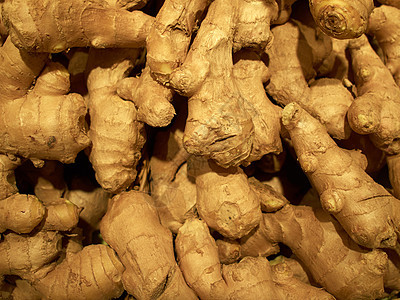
<point x="395" y="3"/>
<point x="342" y="19"/>
<point x="117" y="137"/>
<point x="251" y="278"/>
<point x="376" y="108"/>
<point x="42" y="27"/>
<point x="145" y="248"/>
<point x="351" y="272"/>
<point x="385" y="29"/>
<point x="50" y="123"/>
<point x="206" y="77"/>
<point x="225" y="200"/>
<point x="250" y="73"/>
<point x="291" y="67"/>
<point x="172" y="188"/>
<point x="365" y="209"/>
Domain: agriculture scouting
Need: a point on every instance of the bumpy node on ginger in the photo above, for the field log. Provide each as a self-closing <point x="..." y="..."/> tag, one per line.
<point x="46" y="123"/>
<point x="53" y="27"/>
<point x="342" y="19"/>
<point x="225" y="200"/>
<point x="250" y="73"/>
<point x="384" y="27"/>
<point x="251" y="278"/>
<point x="117" y="137"/>
<point x="376" y="108"/>
<point x="365" y="209"/>
<point x="292" y="58"/>
<point x="132" y="228"/>
<point x="218" y="126"/>
<point x="8" y="163"/>
<point x="173" y="190"/>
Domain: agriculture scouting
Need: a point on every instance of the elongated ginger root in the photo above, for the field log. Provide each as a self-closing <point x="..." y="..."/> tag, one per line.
<point x="251" y="278"/>
<point x="291" y="65"/>
<point x="385" y="29"/>
<point x="377" y="104"/>
<point x="50" y="123"/>
<point x="250" y="71"/>
<point x="218" y="126"/>
<point x="342" y="19"/>
<point x="225" y="200"/>
<point x="345" y="190"/>
<point x="145" y="248"/>
<point x="43" y="27"/>
<point x="117" y="137"/>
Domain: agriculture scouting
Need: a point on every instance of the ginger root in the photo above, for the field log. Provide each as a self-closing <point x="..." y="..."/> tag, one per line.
<point x="145" y="248"/>
<point x="342" y="19"/>
<point x="345" y="189"/>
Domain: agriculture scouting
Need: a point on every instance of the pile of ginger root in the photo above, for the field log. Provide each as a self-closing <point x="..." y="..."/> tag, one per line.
<point x="198" y="149"/>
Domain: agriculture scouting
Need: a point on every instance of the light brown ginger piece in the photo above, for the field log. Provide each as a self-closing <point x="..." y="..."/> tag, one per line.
<point x="43" y="27"/>
<point x="91" y="198"/>
<point x="392" y="276"/>
<point x="345" y="189"/>
<point x="46" y="123"/>
<point x="61" y="216"/>
<point x="172" y="188"/>
<point x="250" y="73"/>
<point x="170" y="36"/>
<point x="23" y="255"/>
<point x="8" y="163"/>
<point x="251" y="278"/>
<point x="91" y="274"/>
<point x="151" y="98"/>
<point x="218" y="126"/>
<point x="228" y="250"/>
<point x="385" y="29"/>
<point x="313" y="235"/>
<point x="377" y="106"/>
<point x="225" y="200"/>
<point x="117" y="137"/>
<point x="291" y="66"/>
<point x="342" y="19"/>
<point x="18" y="70"/>
<point x="21" y="213"/>
<point x="145" y="248"/>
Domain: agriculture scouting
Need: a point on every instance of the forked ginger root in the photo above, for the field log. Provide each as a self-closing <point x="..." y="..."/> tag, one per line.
<point x="218" y="126"/>
<point x="132" y="228"/>
<point x="342" y="19"/>
<point x="251" y="278"/>
<point x="368" y="213"/>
